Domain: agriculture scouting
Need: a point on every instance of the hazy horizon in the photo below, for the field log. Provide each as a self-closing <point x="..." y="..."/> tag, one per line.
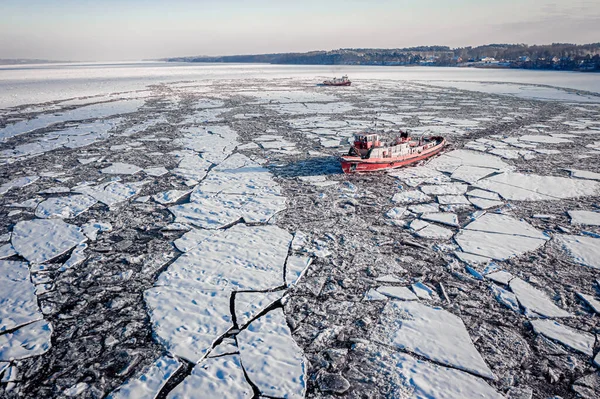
<point x="135" y="30"/>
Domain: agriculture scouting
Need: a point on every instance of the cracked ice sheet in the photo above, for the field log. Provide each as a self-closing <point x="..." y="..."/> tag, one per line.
<point x="451" y="188"/>
<point x="95" y="111"/>
<point x="111" y="193"/>
<point x="170" y="197"/>
<point x="64" y="207"/>
<point x="217" y="212"/>
<point x="584" y="174"/>
<point x="30" y="340"/>
<point x="430" y="332"/>
<point x="453" y="160"/>
<point x="534" y="300"/>
<point x="215" y="378"/>
<point x="580" y="341"/>
<point x="408" y="197"/>
<point x="214" y="143"/>
<point x="249" y="304"/>
<point x="18" y="303"/>
<point x="187" y="321"/>
<point x="238" y="174"/>
<point x="241" y="258"/>
<point x="271" y="357"/>
<point x="149" y="384"/>
<point x="41" y="240"/>
<point x="499" y="237"/>
<point x="521" y="187"/>
<point x="584" y="250"/>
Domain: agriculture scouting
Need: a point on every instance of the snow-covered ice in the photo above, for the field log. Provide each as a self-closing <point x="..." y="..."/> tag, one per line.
<point x="64" y="207"/>
<point x="149" y="384"/>
<point x="585" y="217"/>
<point x="430" y="332"/>
<point x="583" y="249"/>
<point x="534" y="300"/>
<point x="41" y="240"/>
<point x="277" y="368"/>
<point x="580" y="341"/>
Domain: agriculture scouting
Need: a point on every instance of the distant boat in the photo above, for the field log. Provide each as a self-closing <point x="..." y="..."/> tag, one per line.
<point x="369" y="155"/>
<point x="343" y="81"/>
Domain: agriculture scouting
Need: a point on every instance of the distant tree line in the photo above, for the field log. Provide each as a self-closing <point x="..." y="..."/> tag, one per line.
<point x="559" y="56"/>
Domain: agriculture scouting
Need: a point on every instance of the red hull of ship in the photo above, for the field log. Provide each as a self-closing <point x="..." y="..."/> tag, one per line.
<point x="357" y="164"/>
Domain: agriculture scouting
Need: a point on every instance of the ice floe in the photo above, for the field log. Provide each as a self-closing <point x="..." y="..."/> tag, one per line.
<point x="534" y="300"/>
<point x="403" y="293"/>
<point x="499" y="237"/>
<point x="580" y="341"/>
<point x="64" y="207"/>
<point x="433" y="231"/>
<point x="506" y="298"/>
<point x="502" y="277"/>
<point x="119" y="168"/>
<point x="271" y="357"/>
<point x="592" y="302"/>
<point x="295" y="268"/>
<point x="111" y="193"/>
<point x="449" y="219"/>
<point x="584" y="250"/>
<point x="585" y="217"/>
<point x="149" y="384"/>
<point x="18" y="183"/>
<point x="215" y="378"/>
<point x="522" y="187"/>
<point x="29" y="340"/>
<point x="451" y="188"/>
<point x="408" y="197"/>
<point x="18" y="303"/>
<point x="584" y="174"/>
<point x="41" y="240"/>
<point x="170" y="197"/>
<point x="249" y="304"/>
<point x="426" y="380"/>
<point x="430" y="332"/>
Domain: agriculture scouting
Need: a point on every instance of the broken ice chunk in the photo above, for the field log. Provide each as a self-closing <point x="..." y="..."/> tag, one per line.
<point x="472" y="174"/>
<point x="584" y="174"/>
<point x="501" y="277"/>
<point x="119" y="168"/>
<point x="402" y="293"/>
<point x="30" y="340"/>
<point x="580" y="341"/>
<point x="92" y="228"/>
<point x="418" y="224"/>
<point x="18" y="303"/>
<point x="499" y="237"/>
<point x="430" y="332"/>
<point x="156" y="172"/>
<point x="506" y="298"/>
<point x="585" y="217"/>
<point x="451" y="188"/>
<point x="295" y="268"/>
<point x="408" y="197"/>
<point x="427" y="380"/>
<point x="18" y="183"/>
<point x="435" y="232"/>
<point x="452" y="200"/>
<point x="41" y="240"/>
<point x="584" y="250"/>
<point x="396" y="213"/>
<point x="150" y="382"/>
<point x="425" y="208"/>
<point x="77" y="257"/>
<point x="535" y="300"/>
<point x="55" y="190"/>
<point x="591" y="301"/>
<point x="64" y="207"/>
<point x="373" y="295"/>
<point x="482" y="203"/>
<point x="113" y="192"/>
<point x="449" y="219"/>
<point x="484" y="194"/>
<point x="215" y="378"/>
<point x="278" y="368"/>
<point x="421" y="290"/>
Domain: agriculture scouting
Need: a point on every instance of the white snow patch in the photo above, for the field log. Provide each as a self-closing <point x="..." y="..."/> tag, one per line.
<point x="64" y="207"/>
<point x="578" y="340"/>
<point x="584" y="250"/>
<point x="585" y="217"/>
<point x="534" y="300"/>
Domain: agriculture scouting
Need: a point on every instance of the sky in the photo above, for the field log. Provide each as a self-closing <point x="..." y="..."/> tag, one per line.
<point x="112" y="30"/>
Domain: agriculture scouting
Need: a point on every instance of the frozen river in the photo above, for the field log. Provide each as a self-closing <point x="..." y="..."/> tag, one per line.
<point x="185" y="230"/>
<point x="30" y="84"/>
